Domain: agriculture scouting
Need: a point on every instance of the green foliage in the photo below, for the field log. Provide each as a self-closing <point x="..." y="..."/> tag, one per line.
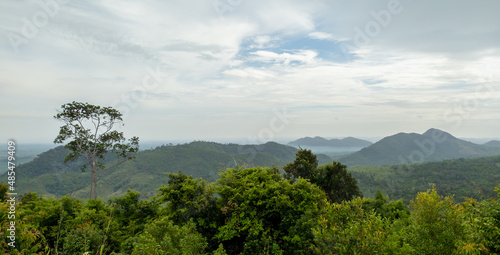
<point x="90" y="129"/>
<point x="482" y="225"/>
<point x="50" y="176"/>
<point x="187" y="199"/>
<point x="337" y="183"/>
<point x="305" y="165"/>
<point x="28" y="239"/>
<point x="220" y="250"/>
<point x="251" y="211"/>
<point x="347" y="228"/>
<point x="4" y="188"/>
<point x="392" y="210"/>
<point x="332" y="178"/>
<point x="463" y="178"/>
<point x="132" y="213"/>
<point x="265" y="213"/>
<point x="437" y="226"/>
<point x="163" y="237"/>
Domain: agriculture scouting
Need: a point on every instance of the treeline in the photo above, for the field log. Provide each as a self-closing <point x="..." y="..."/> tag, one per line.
<point x="255" y="211"/>
<point x="463" y="178"/>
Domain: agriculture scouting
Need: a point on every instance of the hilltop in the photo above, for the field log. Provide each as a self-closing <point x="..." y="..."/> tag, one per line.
<point x="404" y="148"/>
<point x="493" y="143"/>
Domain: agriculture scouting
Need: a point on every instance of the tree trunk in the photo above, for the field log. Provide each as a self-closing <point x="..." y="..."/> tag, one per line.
<point x="93" y="181"/>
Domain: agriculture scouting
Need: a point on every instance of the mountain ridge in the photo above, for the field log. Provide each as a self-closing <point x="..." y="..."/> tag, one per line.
<point x="320" y="141"/>
<point x="493" y="143"/>
<point x="408" y="148"/>
<point x="48" y="175"/>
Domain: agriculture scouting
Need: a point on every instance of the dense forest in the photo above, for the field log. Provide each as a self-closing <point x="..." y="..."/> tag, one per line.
<point x="463" y="178"/>
<point x="255" y="210"/>
<point x="48" y="175"/>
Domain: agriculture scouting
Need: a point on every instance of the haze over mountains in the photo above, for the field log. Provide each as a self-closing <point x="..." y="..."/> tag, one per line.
<point x="50" y="176"/>
<point x="320" y="141"/>
<point x="493" y="143"/>
<point x="408" y="148"/>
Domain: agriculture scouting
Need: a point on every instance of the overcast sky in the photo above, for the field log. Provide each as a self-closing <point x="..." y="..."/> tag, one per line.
<point x="253" y="70"/>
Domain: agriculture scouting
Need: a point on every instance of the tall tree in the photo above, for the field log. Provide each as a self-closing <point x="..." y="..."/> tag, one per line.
<point x="305" y="165"/>
<point x="333" y="179"/>
<point x="91" y="131"/>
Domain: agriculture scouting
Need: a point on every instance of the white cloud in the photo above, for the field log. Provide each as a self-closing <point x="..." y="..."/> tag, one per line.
<point x="237" y="68"/>
<point x="302" y="56"/>
<point x="326" y="36"/>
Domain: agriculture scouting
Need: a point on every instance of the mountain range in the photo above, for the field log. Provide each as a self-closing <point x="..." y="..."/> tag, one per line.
<point x="409" y="148"/>
<point x="48" y="175"/>
<point x="320" y="141"/>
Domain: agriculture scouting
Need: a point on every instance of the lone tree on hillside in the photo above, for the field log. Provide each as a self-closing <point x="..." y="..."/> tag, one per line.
<point x="333" y="178"/>
<point x="90" y="129"/>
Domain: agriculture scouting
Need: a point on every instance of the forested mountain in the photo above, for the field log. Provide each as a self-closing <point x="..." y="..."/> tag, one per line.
<point x="403" y="148"/>
<point x="320" y="141"/>
<point x="474" y="178"/>
<point x="49" y="175"/>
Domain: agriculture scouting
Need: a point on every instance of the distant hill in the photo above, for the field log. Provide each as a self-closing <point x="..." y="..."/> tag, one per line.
<point x="493" y="143"/>
<point x="24" y="153"/>
<point x="463" y="178"/>
<point x="320" y="141"/>
<point x="403" y="148"/>
<point x="48" y="175"/>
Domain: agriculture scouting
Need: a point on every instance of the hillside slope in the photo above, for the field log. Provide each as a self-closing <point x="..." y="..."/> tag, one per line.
<point x="493" y="143"/>
<point x="48" y="175"/>
<point x="404" y="148"/>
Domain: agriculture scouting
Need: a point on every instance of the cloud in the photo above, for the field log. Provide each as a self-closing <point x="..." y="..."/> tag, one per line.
<point x="301" y="56"/>
<point x="318" y="35"/>
<point x="236" y="68"/>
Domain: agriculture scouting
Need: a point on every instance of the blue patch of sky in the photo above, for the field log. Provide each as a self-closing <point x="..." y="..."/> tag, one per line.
<point x="372" y="81"/>
<point x="328" y="50"/>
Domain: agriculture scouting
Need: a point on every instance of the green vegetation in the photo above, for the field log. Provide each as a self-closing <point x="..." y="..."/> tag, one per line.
<point x="463" y="178"/>
<point x="251" y="211"/>
<point x="90" y="129"/>
<point x="246" y="208"/>
<point x="403" y="148"/>
<point x="332" y="178"/>
<point x="50" y="176"/>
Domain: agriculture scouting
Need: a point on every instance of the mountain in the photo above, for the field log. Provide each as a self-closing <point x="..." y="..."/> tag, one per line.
<point x="320" y="141"/>
<point x="48" y="175"/>
<point x="405" y="148"/>
<point x="493" y="143"/>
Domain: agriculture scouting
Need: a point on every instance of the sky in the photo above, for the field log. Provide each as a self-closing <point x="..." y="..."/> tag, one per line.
<point x="252" y="71"/>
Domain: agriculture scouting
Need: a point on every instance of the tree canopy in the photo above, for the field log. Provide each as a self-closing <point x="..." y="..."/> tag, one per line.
<point x="92" y="135"/>
<point x="333" y="178"/>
